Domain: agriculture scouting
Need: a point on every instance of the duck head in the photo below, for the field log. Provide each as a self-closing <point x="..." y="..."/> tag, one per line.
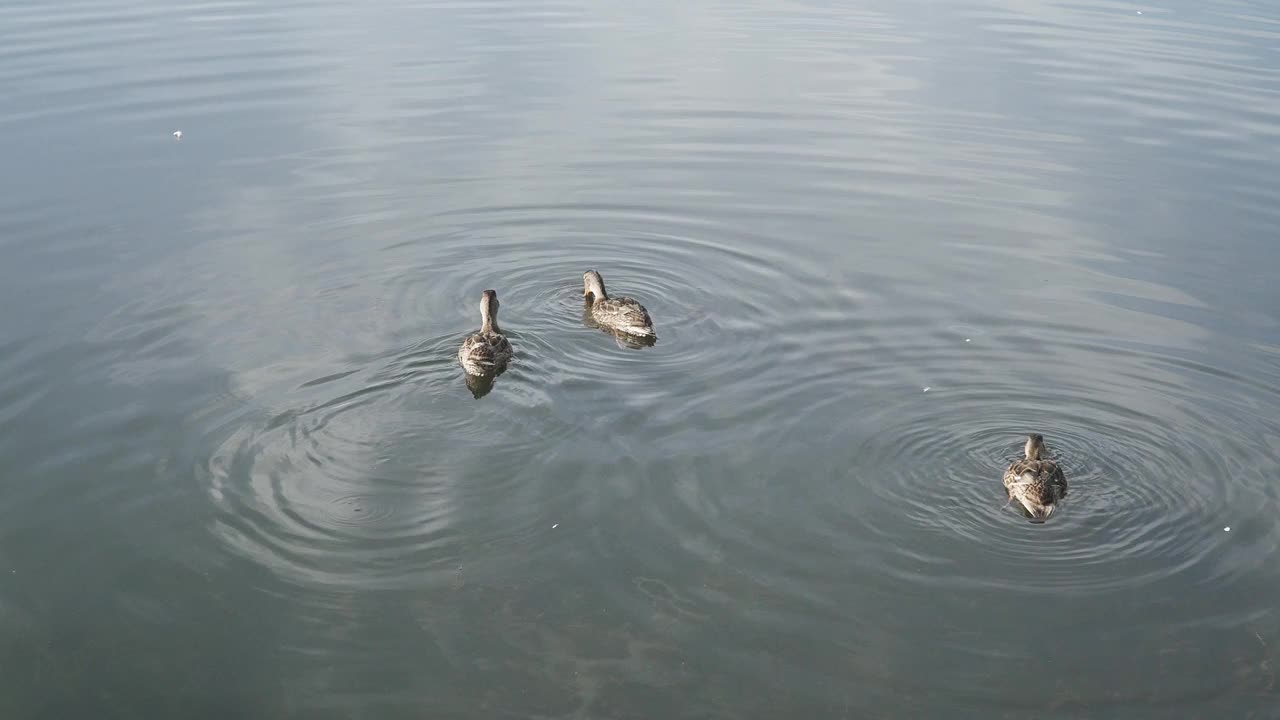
<point x="593" y="285"/>
<point x="1035" y="446"/>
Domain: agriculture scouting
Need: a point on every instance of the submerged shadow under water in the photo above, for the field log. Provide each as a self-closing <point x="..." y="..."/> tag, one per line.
<point x="481" y="385"/>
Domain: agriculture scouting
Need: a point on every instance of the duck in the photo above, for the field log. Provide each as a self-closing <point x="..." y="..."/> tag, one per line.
<point x="624" y="340"/>
<point x="1035" y="481"/>
<point x="619" y="314"/>
<point x="486" y="352"/>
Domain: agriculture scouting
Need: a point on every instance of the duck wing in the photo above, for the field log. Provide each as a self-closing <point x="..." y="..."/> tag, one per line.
<point x="484" y="352"/>
<point x="624" y="314"/>
<point x="1041" y="479"/>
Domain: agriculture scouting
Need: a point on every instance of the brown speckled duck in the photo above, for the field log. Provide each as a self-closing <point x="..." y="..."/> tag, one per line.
<point x="620" y="314"/>
<point x="1035" y="481"/>
<point x="486" y="352"/>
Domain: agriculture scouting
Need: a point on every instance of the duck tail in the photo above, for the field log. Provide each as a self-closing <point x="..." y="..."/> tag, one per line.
<point x="1038" y="512"/>
<point x="642" y="330"/>
<point x="1030" y="501"/>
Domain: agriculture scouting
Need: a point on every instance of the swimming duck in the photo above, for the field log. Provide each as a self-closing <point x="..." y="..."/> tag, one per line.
<point x="620" y="314"/>
<point x="624" y="340"/>
<point x="1035" y="481"/>
<point x="487" y="351"/>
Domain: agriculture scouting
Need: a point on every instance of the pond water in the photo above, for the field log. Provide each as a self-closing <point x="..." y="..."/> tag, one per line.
<point x="242" y="475"/>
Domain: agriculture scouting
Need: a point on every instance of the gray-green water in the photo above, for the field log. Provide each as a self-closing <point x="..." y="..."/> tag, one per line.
<point x="241" y="474"/>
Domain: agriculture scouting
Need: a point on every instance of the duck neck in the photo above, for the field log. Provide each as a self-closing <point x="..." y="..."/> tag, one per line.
<point x="597" y="289"/>
<point x="488" y="318"/>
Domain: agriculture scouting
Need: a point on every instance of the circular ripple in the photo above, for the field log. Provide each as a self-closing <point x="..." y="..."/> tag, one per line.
<point x="333" y="493"/>
<point x="1119" y="517"/>
<point x="1151" y="465"/>
<point x="356" y="511"/>
<point x="706" y="297"/>
<point x="906" y="486"/>
<point x="322" y="490"/>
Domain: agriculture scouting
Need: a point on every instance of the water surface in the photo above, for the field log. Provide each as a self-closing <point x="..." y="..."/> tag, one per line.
<point x="241" y="473"/>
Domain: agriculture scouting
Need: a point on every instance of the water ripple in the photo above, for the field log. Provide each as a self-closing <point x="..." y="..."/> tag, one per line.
<point x="879" y="245"/>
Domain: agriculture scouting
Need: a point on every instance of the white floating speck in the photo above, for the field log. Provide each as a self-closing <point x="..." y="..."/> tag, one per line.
<point x="1226" y="529"/>
<point x="553" y="527"/>
<point x="1139" y="12"/>
<point x="926" y="389"/>
<point x="177" y="134"/>
<point x="968" y="340"/>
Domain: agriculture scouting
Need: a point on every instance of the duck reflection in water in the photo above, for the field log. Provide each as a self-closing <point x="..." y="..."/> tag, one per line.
<point x="481" y="385"/>
<point x="624" y="340"/>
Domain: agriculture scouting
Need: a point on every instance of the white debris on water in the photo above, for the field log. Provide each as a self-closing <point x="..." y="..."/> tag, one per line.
<point x="1226" y="529"/>
<point x="177" y="134"/>
<point x="553" y="527"/>
<point x="968" y="340"/>
<point x="926" y="389"/>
